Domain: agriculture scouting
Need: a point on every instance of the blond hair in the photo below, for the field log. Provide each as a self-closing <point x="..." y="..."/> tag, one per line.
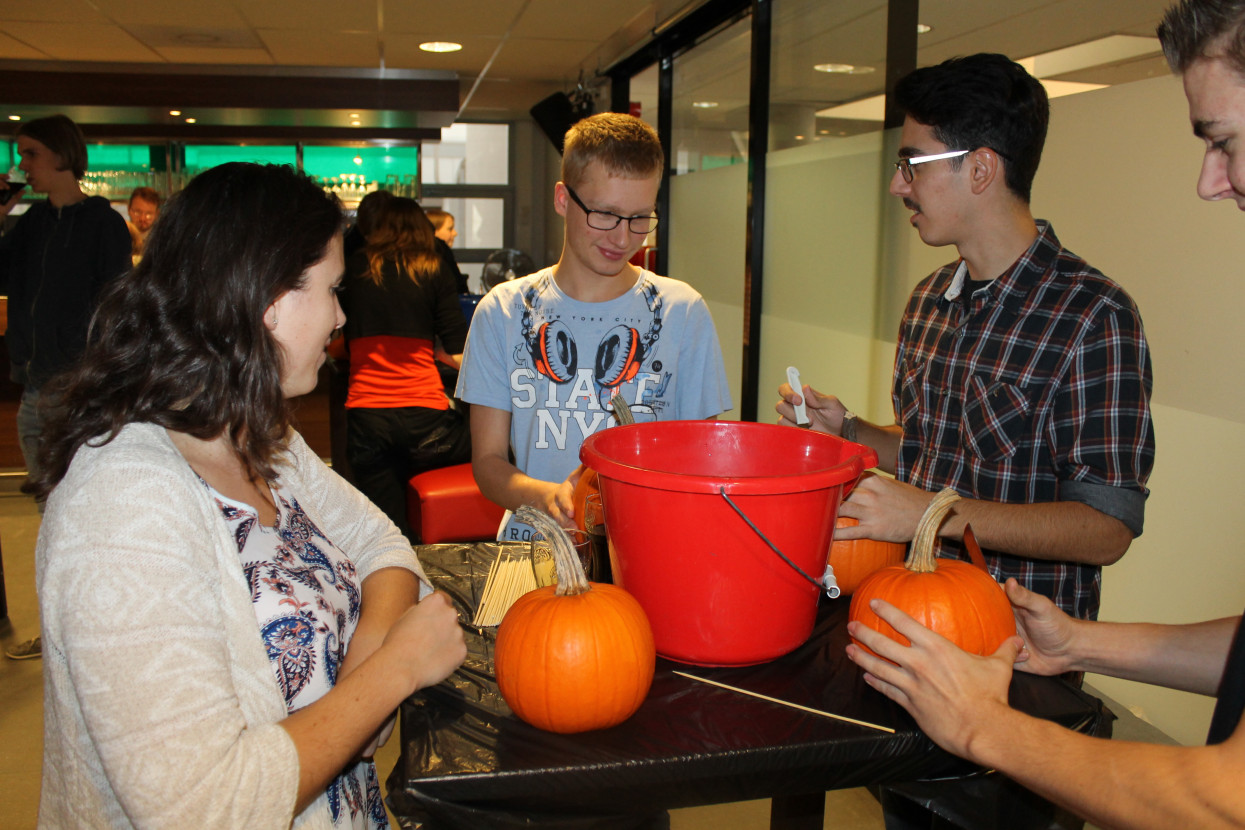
<point x="623" y="144"/>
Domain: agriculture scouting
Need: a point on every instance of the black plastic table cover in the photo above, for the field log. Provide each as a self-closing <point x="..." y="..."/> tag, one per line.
<point x="467" y="761"/>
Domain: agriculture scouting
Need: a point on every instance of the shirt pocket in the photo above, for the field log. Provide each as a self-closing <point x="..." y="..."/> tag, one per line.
<point x="913" y="401"/>
<point x="996" y="417"/>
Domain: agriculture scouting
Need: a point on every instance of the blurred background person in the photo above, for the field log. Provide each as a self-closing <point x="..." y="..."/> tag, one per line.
<point x="400" y="300"/>
<point x="144" y="205"/>
<point x="443" y="223"/>
<point x="365" y="215"/>
<point x="53" y="265"/>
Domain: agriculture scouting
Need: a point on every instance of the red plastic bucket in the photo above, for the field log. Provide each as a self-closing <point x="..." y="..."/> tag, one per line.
<point x="715" y="592"/>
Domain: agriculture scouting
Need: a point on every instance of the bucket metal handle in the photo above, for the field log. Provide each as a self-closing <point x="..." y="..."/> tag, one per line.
<point x="827" y="583"/>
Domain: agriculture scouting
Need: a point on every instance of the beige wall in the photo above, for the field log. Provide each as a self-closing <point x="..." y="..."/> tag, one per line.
<point x="1117" y="181"/>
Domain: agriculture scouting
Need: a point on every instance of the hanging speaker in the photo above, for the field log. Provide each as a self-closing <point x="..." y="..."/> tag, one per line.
<point x="557" y="114"/>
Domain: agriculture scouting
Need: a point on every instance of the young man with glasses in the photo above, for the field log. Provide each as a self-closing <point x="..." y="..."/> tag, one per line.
<point x="1022" y="377"/>
<point x="961" y="701"/>
<point x="1022" y="380"/>
<point x="547" y="353"/>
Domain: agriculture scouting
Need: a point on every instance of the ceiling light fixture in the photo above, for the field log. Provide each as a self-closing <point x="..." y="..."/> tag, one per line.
<point x="358" y="159"/>
<point x="923" y="29"/>
<point x="843" y="69"/>
<point x="190" y="120"/>
<point x="175" y="113"/>
<point x="704" y="105"/>
<point x="15" y="118"/>
<point x="440" y="46"/>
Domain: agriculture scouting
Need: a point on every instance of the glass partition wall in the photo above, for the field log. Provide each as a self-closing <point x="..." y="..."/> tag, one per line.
<point x="771" y="113"/>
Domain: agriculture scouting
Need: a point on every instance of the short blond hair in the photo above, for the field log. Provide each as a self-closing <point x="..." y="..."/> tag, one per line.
<point x="623" y="144"/>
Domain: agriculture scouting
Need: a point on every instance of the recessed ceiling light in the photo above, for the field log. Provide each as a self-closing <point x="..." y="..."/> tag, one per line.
<point x="190" y="120"/>
<point x="355" y="123"/>
<point x="799" y="138"/>
<point x="354" y="115"/>
<point x="923" y="28"/>
<point x="15" y="118"/>
<point x="440" y="46"/>
<point x="704" y="105"/>
<point x="843" y="68"/>
<point x="358" y="160"/>
<point x="175" y="113"/>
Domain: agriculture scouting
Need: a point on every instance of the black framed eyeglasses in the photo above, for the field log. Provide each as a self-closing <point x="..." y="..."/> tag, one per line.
<point x="904" y="166"/>
<point x="603" y="220"/>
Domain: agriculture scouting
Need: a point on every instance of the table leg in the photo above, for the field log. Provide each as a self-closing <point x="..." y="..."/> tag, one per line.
<point x="798" y="812"/>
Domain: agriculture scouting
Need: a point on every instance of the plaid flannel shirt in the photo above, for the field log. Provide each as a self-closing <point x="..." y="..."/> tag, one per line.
<point x="1036" y="388"/>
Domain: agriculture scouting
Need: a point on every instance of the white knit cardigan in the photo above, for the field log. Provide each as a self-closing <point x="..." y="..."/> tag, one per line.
<point x="160" y="707"/>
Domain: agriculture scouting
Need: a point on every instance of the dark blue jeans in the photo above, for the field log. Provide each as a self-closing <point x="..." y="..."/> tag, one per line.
<point x="388" y="446"/>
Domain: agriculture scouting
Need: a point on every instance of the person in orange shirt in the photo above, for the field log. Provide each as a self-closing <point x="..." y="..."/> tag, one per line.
<point x="400" y="302"/>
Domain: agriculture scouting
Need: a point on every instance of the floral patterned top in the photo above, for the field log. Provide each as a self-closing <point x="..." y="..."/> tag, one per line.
<point x="307" y="600"/>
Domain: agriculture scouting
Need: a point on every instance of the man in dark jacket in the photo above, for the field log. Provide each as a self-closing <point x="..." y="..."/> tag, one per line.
<point x="52" y="266"/>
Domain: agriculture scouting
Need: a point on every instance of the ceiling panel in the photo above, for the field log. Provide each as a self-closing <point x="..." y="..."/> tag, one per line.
<point x="13" y="49"/>
<point x="66" y="11"/>
<point x="81" y="41"/>
<point x="595" y="21"/>
<point x="542" y="58"/>
<point x="452" y="19"/>
<point x="322" y="48"/>
<point x="210" y="55"/>
<point x="318" y="15"/>
<point x="212" y="15"/>
<point x="545" y="42"/>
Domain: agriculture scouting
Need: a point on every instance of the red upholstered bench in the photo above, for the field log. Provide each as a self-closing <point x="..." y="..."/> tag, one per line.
<point x="445" y="505"/>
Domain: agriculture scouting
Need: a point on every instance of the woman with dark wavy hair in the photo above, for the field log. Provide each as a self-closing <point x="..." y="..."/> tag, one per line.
<point x="228" y="627"/>
<point x="400" y="300"/>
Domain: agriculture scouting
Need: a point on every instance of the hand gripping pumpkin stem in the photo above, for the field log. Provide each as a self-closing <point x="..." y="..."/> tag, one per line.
<point x="921" y="558"/>
<point x="571" y="578"/>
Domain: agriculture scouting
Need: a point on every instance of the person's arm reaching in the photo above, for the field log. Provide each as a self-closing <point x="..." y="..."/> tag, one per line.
<point x="825" y="414"/>
<point x="960" y="701"/>
<point x="500" y="481"/>
<point x="1186" y="657"/>
<point x="1070" y="531"/>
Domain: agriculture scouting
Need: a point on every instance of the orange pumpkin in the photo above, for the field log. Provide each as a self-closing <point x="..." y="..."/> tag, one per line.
<point x="855" y="559"/>
<point x="959" y="600"/>
<point x="588" y="484"/>
<point x="576" y="655"/>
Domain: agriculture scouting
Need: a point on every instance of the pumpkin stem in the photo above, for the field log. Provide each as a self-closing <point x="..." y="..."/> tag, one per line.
<point x="571" y="578"/>
<point x="921" y="557"/>
<point x="622" y="412"/>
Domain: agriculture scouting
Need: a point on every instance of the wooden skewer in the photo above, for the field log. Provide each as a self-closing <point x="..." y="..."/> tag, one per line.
<point x="787" y="703"/>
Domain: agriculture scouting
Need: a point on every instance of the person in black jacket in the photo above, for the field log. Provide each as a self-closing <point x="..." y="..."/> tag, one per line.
<point x="52" y="266"/>
<point x="399" y="300"/>
<point x="443" y="222"/>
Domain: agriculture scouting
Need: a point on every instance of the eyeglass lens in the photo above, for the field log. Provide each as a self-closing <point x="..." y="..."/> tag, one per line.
<point x="603" y="220"/>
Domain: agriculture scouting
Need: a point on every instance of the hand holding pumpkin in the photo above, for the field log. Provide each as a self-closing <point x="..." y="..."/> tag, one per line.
<point x="1047" y="631"/>
<point x="888" y="510"/>
<point x="952" y="694"/>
